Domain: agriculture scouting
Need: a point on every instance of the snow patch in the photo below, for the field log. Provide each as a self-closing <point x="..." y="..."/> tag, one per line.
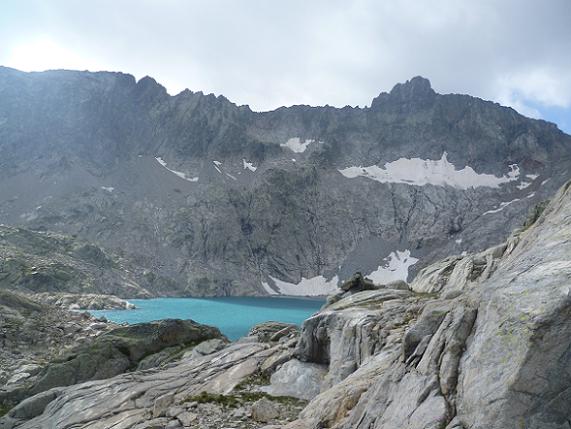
<point x="178" y="173"/>
<point x="248" y="165"/>
<point x="108" y="188"/>
<point x="523" y="185"/>
<point x="532" y="176"/>
<point x="217" y="164"/>
<point x="422" y="172"/>
<point x="459" y="241"/>
<point x="502" y="206"/>
<point x="315" y="286"/>
<point x="231" y="177"/>
<point x="296" y="145"/>
<point x="394" y="267"/>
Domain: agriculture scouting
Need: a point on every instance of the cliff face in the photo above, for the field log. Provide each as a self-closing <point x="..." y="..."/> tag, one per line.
<point x="208" y="198"/>
<point x="474" y="342"/>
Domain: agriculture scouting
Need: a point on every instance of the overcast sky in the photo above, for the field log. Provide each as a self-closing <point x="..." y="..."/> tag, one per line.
<point x="268" y="53"/>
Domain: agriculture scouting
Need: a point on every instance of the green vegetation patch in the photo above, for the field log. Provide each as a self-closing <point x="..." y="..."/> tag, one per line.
<point x="238" y="399"/>
<point x="4" y="409"/>
<point x="257" y="379"/>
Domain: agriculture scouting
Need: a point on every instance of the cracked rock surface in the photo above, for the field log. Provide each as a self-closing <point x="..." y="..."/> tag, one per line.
<point x="475" y="342"/>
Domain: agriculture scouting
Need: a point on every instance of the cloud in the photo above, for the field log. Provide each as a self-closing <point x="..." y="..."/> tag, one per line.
<point x="336" y="52"/>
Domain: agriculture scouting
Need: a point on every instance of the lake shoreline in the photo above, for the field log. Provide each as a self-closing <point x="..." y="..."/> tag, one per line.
<point x="234" y="316"/>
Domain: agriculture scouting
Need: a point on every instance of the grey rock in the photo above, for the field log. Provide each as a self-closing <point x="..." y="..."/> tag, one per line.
<point x="357" y="283"/>
<point x="206" y="347"/>
<point x="88" y="301"/>
<point x="44" y="265"/>
<point x="272" y="331"/>
<point x="162" y="404"/>
<point x="477" y="360"/>
<point x="297" y="379"/>
<point x="130" y="399"/>
<point x="187" y="418"/>
<point x="35" y="406"/>
<point x="115" y="352"/>
<point x="264" y="410"/>
<point x="398" y="284"/>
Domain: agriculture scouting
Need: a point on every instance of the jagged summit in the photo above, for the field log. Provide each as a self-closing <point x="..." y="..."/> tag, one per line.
<point x="416" y="90"/>
<point x="417" y="87"/>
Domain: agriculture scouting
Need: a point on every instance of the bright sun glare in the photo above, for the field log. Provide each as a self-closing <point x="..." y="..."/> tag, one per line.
<point x="44" y="54"/>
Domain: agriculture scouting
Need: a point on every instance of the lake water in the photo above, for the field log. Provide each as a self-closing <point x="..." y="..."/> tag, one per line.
<point x="234" y="316"/>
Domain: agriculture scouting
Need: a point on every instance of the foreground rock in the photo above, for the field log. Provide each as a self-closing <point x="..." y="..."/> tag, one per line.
<point x="486" y="347"/>
<point x="33" y="333"/>
<point x="273" y="331"/>
<point x="212" y="391"/>
<point x="122" y="349"/>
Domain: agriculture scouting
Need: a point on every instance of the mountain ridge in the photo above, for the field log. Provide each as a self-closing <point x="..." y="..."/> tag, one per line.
<point x="220" y="97"/>
<point x="215" y="199"/>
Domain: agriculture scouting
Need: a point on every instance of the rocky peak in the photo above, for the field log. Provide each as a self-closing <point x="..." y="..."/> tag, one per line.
<point x="149" y="87"/>
<point x="414" y="91"/>
<point x="417" y="87"/>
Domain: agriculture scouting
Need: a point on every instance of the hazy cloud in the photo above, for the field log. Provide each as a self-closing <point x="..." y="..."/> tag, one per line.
<point x="338" y="52"/>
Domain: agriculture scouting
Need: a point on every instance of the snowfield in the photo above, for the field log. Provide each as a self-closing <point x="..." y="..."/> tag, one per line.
<point x="315" y="286"/>
<point x="421" y="172"/>
<point x="393" y="267"/>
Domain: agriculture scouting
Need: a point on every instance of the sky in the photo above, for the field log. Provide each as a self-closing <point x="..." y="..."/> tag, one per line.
<point x="269" y="53"/>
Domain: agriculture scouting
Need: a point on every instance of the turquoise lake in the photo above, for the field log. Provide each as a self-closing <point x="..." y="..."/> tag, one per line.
<point x="234" y="316"/>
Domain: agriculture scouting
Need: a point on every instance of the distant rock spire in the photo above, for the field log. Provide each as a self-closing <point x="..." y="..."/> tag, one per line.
<point x="416" y="91"/>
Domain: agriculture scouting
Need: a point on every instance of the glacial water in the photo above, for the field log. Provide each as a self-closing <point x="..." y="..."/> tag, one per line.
<point x="234" y="316"/>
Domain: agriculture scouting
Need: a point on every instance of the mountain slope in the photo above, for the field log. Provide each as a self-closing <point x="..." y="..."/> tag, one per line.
<point x="214" y="199"/>
<point x="38" y="262"/>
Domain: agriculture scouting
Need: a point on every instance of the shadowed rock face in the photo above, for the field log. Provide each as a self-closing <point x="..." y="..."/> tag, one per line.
<point x="204" y="197"/>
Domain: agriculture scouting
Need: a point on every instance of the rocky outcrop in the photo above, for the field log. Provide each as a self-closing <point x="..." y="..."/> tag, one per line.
<point x="56" y="267"/>
<point x="120" y="350"/>
<point x="473" y="352"/>
<point x="33" y="333"/>
<point x="203" y="197"/>
<point x="89" y="301"/>
<point x="212" y="391"/>
<point x="273" y="331"/>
